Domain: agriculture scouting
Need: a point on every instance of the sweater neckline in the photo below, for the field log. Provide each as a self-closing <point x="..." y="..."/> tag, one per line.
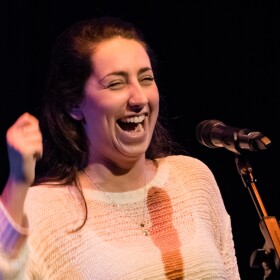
<point x="135" y="195"/>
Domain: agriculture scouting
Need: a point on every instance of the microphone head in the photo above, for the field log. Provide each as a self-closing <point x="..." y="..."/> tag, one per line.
<point x="215" y="134"/>
<point x="203" y="132"/>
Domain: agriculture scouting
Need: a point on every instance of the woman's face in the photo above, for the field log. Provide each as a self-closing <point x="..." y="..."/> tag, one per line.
<point x="121" y="101"/>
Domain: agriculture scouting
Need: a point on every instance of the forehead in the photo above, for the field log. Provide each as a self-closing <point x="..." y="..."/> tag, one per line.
<point x="120" y="52"/>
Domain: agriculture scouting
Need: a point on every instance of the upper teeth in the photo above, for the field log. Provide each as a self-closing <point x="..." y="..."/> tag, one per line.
<point x="133" y="119"/>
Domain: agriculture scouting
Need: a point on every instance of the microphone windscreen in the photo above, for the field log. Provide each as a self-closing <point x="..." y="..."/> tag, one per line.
<point x="203" y="132"/>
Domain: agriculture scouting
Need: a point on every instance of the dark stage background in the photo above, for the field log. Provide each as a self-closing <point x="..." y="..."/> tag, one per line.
<point x="218" y="60"/>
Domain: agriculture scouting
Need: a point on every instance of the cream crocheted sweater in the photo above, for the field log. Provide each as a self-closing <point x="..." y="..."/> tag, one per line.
<point x="190" y="234"/>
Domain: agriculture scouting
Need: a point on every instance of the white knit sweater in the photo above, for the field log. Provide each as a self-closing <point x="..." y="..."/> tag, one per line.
<point x="189" y="237"/>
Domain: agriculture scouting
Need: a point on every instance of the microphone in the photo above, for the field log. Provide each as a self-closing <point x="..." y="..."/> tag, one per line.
<point x="215" y="134"/>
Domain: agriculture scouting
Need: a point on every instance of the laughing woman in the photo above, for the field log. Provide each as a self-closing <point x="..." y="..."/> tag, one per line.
<point x="95" y="189"/>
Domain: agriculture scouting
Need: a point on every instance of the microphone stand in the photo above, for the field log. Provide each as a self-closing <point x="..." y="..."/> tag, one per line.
<point x="269" y="226"/>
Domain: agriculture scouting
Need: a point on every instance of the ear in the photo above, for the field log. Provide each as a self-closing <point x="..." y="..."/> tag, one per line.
<point x="76" y="113"/>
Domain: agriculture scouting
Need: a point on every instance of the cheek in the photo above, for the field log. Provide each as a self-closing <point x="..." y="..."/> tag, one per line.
<point x="96" y="114"/>
<point x="154" y="101"/>
<point x="93" y="106"/>
<point x="92" y="115"/>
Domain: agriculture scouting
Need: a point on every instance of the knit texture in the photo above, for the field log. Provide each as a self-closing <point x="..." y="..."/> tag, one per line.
<point x="190" y="234"/>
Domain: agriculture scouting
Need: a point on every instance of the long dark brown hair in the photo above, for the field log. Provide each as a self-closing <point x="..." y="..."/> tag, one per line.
<point x="64" y="139"/>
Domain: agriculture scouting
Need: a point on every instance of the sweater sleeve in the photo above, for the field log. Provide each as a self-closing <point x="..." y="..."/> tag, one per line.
<point x="228" y="251"/>
<point x="204" y="193"/>
<point x="13" y="247"/>
<point x="222" y="224"/>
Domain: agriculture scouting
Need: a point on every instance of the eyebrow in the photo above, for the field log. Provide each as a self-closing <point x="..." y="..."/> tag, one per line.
<point x="145" y="69"/>
<point x="123" y="73"/>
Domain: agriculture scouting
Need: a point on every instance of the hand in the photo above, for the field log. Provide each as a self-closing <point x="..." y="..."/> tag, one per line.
<point x="24" y="142"/>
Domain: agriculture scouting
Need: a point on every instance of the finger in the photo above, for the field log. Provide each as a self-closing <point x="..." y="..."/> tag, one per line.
<point x="32" y="144"/>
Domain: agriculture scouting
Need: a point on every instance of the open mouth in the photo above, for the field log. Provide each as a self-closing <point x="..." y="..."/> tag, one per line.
<point x="132" y="124"/>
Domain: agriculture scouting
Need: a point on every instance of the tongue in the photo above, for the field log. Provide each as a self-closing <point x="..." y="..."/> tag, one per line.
<point x="131" y="127"/>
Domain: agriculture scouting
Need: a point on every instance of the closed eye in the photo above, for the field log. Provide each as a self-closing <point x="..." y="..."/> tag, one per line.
<point x="116" y="85"/>
<point x="146" y="81"/>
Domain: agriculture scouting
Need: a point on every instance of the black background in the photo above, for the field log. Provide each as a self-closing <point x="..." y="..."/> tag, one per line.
<point x="218" y="60"/>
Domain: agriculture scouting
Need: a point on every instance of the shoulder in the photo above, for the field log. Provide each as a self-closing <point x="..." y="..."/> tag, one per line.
<point x="191" y="179"/>
<point x="48" y="201"/>
<point x="184" y="163"/>
<point x="188" y="171"/>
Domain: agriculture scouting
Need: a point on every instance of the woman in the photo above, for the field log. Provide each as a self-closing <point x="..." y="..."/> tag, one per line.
<point x="110" y="199"/>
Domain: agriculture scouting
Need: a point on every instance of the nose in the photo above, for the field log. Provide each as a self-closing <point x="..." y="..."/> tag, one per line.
<point x="138" y="97"/>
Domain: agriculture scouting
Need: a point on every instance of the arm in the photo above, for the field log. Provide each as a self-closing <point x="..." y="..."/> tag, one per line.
<point x="24" y="141"/>
<point x="223" y="226"/>
<point x="24" y="144"/>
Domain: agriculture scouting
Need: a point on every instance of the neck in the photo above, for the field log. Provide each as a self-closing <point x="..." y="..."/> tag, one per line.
<point x="117" y="179"/>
